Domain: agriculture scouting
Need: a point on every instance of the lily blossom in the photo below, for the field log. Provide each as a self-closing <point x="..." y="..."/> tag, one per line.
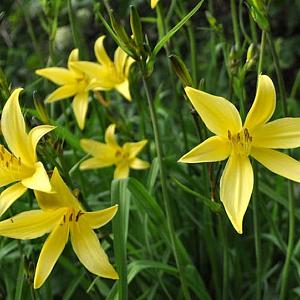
<point x="256" y="138"/>
<point x="61" y="214"/>
<point x="107" y="74"/>
<point x="72" y="82"/>
<point x="111" y="153"/>
<point x="19" y="164"/>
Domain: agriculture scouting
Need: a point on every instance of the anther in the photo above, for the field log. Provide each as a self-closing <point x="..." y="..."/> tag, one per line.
<point x="71" y="217"/>
<point x="238" y="137"/>
<point x="19" y="161"/>
<point x="7" y="164"/>
<point x="64" y="218"/>
<point x="11" y="220"/>
<point x="78" y="215"/>
<point x="229" y="134"/>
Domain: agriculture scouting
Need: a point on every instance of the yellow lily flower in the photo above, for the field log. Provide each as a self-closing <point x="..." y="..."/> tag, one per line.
<point x="110" y="153"/>
<point x="61" y="214"/>
<point x="72" y="82"/>
<point x="106" y="74"/>
<point x="20" y="164"/>
<point x="256" y="138"/>
<point x="154" y="3"/>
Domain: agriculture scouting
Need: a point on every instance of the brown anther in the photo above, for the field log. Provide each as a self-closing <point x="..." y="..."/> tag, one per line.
<point x="71" y="217"/>
<point x="7" y="164"/>
<point x="64" y="218"/>
<point x="78" y="215"/>
<point x="11" y="158"/>
<point x="11" y="220"/>
<point x="238" y="137"/>
<point x="118" y="154"/>
<point x="250" y="138"/>
<point x="19" y="161"/>
<point x="229" y="134"/>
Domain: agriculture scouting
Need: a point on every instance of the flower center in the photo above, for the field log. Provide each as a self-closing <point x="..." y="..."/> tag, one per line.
<point x="241" y="142"/>
<point x="72" y="215"/>
<point x="121" y="155"/>
<point x="8" y="160"/>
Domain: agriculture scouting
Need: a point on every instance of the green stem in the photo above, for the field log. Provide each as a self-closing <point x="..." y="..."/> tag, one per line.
<point x="163" y="180"/>
<point x="262" y="49"/>
<point x="235" y="24"/>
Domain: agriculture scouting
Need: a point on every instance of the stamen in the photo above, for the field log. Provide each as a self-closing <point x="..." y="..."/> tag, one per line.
<point x="71" y="217"/>
<point x="229" y="134"/>
<point x="78" y="215"/>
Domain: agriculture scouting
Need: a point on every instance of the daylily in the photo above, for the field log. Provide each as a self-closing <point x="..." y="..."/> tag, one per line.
<point x="61" y="214"/>
<point x="255" y="138"/>
<point x="19" y="164"/>
<point x="110" y="153"/>
<point x="154" y="3"/>
<point x="108" y="74"/>
<point x="72" y="82"/>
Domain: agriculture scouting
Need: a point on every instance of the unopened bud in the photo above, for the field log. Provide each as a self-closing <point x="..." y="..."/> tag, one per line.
<point x="181" y="70"/>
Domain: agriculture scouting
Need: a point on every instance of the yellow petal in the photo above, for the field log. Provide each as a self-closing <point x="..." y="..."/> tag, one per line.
<point x="36" y="134"/>
<point x="122" y="170"/>
<point x="99" y="218"/>
<point x="278" y="162"/>
<point x="61" y="198"/>
<point x="139" y="164"/>
<point x="264" y="103"/>
<point x="120" y="60"/>
<point x="51" y="251"/>
<point x="60" y="76"/>
<point x="100" y="52"/>
<point x="95" y="163"/>
<point x="282" y="133"/>
<point x="110" y="137"/>
<point x="31" y="224"/>
<point x="80" y="106"/>
<point x="97" y="149"/>
<point x="74" y="57"/>
<point x="235" y="189"/>
<point x="10" y="195"/>
<point x="218" y="114"/>
<point x="214" y="148"/>
<point x="62" y="92"/>
<point x="123" y="89"/>
<point x="134" y="148"/>
<point x="13" y="128"/>
<point x="89" y="251"/>
<point x="154" y="3"/>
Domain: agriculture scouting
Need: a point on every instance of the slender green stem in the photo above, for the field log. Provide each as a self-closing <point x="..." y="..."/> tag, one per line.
<point x="262" y="49"/>
<point x="163" y="180"/>
<point x="235" y="24"/>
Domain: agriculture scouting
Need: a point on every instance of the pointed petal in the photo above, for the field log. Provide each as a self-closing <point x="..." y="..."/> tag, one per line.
<point x="100" y="52"/>
<point x="139" y="164"/>
<point x="10" y="195"/>
<point x="89" y="251"/>
<point x="31" y="224"/>
<point x="80" y="107"/>
<point x="123" y="89"/>
<point x="282" y="133"/>
<point x="62" y="92"/>
<point x="95" y="163"/>
<point x="278" y="162"/>
<point x="120" y="59"/>
<point x="99" y="218"/>
<point x="51" y="251"/>
<point x="235" y="189"/>
<point x="154" y="3"/>
<point x="60" y="76"/>
<point x="13" y="128"/>
<point x="264" y="103"/>
<point x="121" y="171"/>
<point x="214" y="148"/>
<point x="110" y="137"/>
<point x="134" y="148"/>
<point x="74" y="57"/>
<point x="36" y="134"/>
<point x="39" y="180"/>
<point x="97" y="149"/>
<point x="61" y="198"/>
<point x="218" y="114"/>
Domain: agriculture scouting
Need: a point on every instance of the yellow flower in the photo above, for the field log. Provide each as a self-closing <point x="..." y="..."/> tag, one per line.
<point x="20" y="163"/>
<point x="61" y="214"/>
<point x="72" y="82"/>
<point x="154" y="3"/>
<point x="110" y="153"/>
<point x="236" y="141"/>
<point x="106" y="74"/>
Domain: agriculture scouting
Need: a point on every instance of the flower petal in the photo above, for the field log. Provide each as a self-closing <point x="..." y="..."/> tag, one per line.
<point x="74" y="57"/>
<point x="218" y="114"/>
<point x="89" y="251"/>
<point x="123" y="89"/>
<point x="51" y="251"/>
<point x="39" y="180"/>
<point x="282" y="133"/>
<point x="97" y="149"/>
<point x="264" y="103"/>
<point x="99" y="218"/>
<point x="31" y="224"/>
<point x="100" y="52"/>
<point x="235" y="189"/>
<point x="13" y="128"/>
<point x="139" y="164"/>
<point x="214" y="148"/>
<point x="278" y="162"/>
<point x="110" y="137"/>
<point x="62" y="92"/>
<point x="61" y="198"/>
<point x="154" y="3"/>
<point x="10" y="195"/>
<point x="95" y="163"/>
<point x="80" y="106"/>
<point x="120" y="59"/>
<point x="122" y="170"/>
<point x="134" y="148"/>
<point x="60" y="76"/>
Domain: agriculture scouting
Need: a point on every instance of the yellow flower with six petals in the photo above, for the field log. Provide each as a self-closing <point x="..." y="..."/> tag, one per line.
<point x="110" y="153"/>
<point x="61" y="214"/>
<point x="255" y="138"/>
<point x="20" y="164"/>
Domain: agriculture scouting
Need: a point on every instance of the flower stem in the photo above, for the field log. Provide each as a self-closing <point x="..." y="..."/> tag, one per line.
<point x="163" y="180"/>
<point x="235" y="24"/>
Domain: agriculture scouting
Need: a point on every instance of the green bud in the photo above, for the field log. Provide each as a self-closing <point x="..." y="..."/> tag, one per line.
<point x="136" y="27"/>
<point x="40" y="108"/>
<point x="181" y="70"/>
